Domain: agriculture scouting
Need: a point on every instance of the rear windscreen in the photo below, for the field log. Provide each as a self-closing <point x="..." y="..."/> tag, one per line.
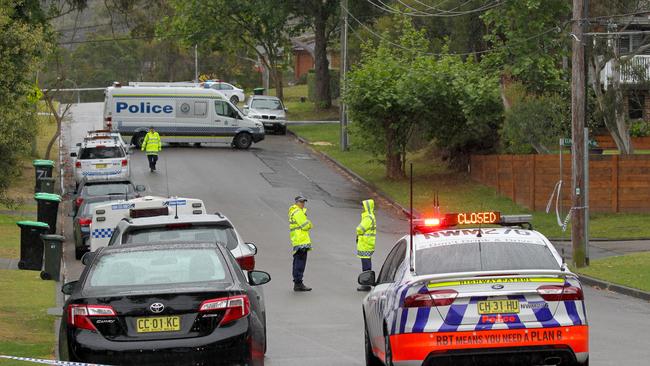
<point x="111" y="152"/>
<point x="221" y="234"/>
<point x="484" y="256"/>
<point x="158" y="267"/>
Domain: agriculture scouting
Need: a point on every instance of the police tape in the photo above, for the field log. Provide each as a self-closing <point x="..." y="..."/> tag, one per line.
<point x="49" y="362"/>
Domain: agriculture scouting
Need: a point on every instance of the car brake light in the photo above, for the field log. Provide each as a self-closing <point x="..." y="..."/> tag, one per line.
<point x="431" y="299"/>
<point x="77" y="164"/>
<point x="246" y="263"/>
<point x="85" y="221"/>
<point x="236" y="307"/>
<point x="78" y="201"/>
<point x="79" y="315"/>
<point x="560" y="293"/>
<point x="125" y="162"/>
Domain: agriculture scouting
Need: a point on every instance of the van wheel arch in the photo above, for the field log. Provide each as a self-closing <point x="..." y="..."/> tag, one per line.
<point x="138" y="139"/>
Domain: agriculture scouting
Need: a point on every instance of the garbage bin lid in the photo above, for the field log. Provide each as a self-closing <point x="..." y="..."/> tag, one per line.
<point x="47" y="197"/>
<point x="33" y="224"/>
<point x="39" y="162"/>
<point x="258" y="89"/>
<point x="52" y="237"/>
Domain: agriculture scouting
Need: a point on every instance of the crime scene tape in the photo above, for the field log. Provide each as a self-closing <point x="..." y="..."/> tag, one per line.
<point x="49" y="362"/>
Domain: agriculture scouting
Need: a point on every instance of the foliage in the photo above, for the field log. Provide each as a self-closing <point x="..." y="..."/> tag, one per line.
<point x="22" y="47"/>
<point x="639" y="128"/>
<point x="536" y="122"/>
<point x="529" y="42"/>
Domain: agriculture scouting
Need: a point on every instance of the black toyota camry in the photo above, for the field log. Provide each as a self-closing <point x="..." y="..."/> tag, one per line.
<point x="164" y="304"/>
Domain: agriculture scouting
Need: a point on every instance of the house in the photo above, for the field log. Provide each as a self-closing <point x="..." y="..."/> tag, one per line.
<point x="303" y="55"/>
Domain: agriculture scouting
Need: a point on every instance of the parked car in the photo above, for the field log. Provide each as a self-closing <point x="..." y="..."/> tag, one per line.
<point x="83" y="218"/>
<point x="164" y="304"/>
<point x="233" y="93"/>
<point x="124" y="189"/>
<point x="268" y="110"/>
<point x="101" y="158"/>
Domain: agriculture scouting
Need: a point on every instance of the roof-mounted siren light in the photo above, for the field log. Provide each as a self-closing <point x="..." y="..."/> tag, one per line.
<point x="517" y="220"/>
<point x="117" y="84"/>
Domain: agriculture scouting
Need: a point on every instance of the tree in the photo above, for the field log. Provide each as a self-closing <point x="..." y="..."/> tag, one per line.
<point x="259" y="25"/>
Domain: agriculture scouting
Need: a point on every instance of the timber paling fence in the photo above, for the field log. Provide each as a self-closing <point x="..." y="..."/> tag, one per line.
<point x="618" y="183"/>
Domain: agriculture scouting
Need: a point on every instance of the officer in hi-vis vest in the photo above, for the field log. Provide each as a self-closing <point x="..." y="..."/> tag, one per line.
<point x="151" y="145"/>
<point x="366" y="235"/>
<point x="299" y="227"/>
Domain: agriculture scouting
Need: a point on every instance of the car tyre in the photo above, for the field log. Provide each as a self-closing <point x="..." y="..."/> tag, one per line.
<point x="388" y="360"/>
<point x="138" y="140"/>
<point x="234" y="100"/>
<point x="243" y="140"/>
<point x="371" y="359"/>
<point x="79" y="252"/>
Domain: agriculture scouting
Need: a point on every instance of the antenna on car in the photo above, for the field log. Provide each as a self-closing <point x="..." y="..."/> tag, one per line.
<point x="411" y="251"/>
<point x="176" y="214"/>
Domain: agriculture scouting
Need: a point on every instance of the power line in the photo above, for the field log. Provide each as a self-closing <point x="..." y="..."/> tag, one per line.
<point x="442" y="14"/>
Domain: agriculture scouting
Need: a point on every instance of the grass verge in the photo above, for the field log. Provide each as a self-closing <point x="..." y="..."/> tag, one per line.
<point x="10" y="235"/>
<point x="304" y="111"/>
<point x="457" y="191"/>
<point x="632" y="270"/>
<point x="25" y="328"/>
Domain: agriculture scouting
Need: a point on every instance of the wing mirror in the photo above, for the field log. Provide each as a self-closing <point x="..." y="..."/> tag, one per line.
<point x="367" y="278"/>
<point x="256" y="278"/>
<point x="68" y="288"/>
<point x="87" y="258"/>
<point x="140" y="188"/>
<point x="253" y="247"/>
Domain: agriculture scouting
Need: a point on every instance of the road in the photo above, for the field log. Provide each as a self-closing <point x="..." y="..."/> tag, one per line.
<point x="254" y="189"/>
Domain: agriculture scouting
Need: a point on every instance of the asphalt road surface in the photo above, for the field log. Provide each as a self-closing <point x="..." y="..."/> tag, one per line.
<point x="255" y="188"/>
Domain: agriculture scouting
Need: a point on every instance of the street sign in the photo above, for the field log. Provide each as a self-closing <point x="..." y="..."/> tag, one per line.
<point x="566" y="142"/>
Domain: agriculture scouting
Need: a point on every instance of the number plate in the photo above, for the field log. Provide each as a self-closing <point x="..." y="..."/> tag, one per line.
<point x="268" y="124"/>
<point x="158" y="324"/>
<point x="100" y="166"/>
<point x="498" y="307"/>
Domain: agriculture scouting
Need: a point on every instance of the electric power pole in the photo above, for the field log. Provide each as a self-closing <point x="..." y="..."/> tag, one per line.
<point x="196" y="64"/>
<point x="344" y="69"/>
<point x="578" y="97"/>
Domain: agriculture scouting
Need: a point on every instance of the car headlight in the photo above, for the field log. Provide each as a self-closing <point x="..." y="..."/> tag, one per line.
<point x="259" y="125"/>
<point x="256" y="116"/>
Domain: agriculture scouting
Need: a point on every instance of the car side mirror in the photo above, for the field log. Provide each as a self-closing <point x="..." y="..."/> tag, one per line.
<point x="286" y="109"/>
<point x="253" y="247"/>
<point x="78" y="144"/>
<point x="257" y="278"/>
<point x="87" y="258"/>
<point x="68" y="288"/>
<point x="73" y="154"/>
<point x="367" y="278"/>
<point x="140" y="188"/>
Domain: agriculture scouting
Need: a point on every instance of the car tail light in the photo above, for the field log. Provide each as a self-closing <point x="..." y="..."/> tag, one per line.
<point x="431" y="299"/>
<point x="247" y="263"/>
<point x="125" y="162"/>
<point x="560" y="293"/>
<point x="77" y="164"/>
<point x="78" y="201"/>
<point x="236" y="307"/>
<point x="79" y="315"/>
<point x="85" y="221"/>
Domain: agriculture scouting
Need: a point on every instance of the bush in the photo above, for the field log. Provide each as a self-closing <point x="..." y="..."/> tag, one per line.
<point x="639" y="128"/>
<point x="335" y="82"/>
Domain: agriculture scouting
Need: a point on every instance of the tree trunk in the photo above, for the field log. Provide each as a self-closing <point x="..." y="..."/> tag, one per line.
<point x="321" y="64"/>
<point x="276" y="75"/>
<point x="393" y="154"/>
<point x="622" y="129"/>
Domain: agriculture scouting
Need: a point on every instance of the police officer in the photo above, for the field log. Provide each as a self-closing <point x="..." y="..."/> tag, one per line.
<point x="366" y="235"/>
<point x="151" y="145"/>
<point x="299" y="227"/>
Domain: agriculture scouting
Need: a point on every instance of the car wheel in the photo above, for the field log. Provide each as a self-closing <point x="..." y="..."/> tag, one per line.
<point x="371" y="359"/>
<point x="138" y="140"/>
<point x="243" y="140"/>
<point x="388" y="360"/>
<point x="234" y="100"/>
<point x="79" y="252"/>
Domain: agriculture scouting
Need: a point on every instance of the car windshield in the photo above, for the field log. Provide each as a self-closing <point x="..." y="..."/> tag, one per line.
<point x="107" y="189"/>
<point x="484" y="256"/>
<point x="222" y="234"/>
<point x="105" y="152"/>
<point x="273" y="104"/>
<point x="144" y="268"/>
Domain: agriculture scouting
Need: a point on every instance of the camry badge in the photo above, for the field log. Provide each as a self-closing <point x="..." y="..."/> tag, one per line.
<point x="157" y="308"/>
<point x="496" y="287"/>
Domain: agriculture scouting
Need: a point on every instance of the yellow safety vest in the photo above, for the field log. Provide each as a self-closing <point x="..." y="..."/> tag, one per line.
<point x="151" y="144"/>
<point x="299" y="227"/>
<point x="367" y="230"/>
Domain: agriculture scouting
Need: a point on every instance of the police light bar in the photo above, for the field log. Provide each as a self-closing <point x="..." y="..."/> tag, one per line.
<point x="516" y="219"/>
<point x="432" y="224"/>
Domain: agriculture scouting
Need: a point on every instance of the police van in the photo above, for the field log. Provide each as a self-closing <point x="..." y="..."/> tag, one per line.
<point x="179" y="115"/>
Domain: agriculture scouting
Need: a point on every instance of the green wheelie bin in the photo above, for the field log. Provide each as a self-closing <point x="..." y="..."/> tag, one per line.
<point x="31" y="246"/>
<point x="53" y="251"/>
<point x="42" y="169"/>
<point x="47" y="209"/>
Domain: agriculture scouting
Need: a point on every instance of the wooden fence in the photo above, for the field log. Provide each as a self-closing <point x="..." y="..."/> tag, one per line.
<point x="617" y="183"/>
<point x="607" y="142"/>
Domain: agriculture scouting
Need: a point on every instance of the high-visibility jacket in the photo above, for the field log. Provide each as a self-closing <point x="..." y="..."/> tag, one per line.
<point x="151" y="143"/>
<point x="299" y="227"/>
<point x="367" y="230"/>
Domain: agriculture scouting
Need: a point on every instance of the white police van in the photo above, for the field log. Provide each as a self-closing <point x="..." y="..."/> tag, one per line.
<point x="179" y="115"/>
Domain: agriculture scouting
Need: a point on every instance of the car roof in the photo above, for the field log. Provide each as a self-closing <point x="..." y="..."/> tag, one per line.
<point x="460" y="236"/>
<point x="182" y="219"/>
<point x="108" y="141"/>
<point x="157" y="246"/>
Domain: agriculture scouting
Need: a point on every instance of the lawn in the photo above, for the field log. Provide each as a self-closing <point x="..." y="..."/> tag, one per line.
<point x="632" y="270"/>
<point x="304" y="111"/>
<point x="457" y="191"/>
<point x="25" y="327"/>
<point x="10" y="236"/>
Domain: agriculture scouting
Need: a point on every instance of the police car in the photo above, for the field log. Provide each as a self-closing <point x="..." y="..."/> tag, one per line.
<point x="159" y="220"/>
<point x="115" y="136"/>
<point x="100" y="158"/>
<point x="481" y="295"/>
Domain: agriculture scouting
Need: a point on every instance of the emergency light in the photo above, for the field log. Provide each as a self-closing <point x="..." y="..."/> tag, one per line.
<point x="431" y="224"/>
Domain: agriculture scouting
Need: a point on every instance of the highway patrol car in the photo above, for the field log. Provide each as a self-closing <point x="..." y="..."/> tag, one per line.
<point x="478" y="296"/>
<point x="100" y="157"/>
